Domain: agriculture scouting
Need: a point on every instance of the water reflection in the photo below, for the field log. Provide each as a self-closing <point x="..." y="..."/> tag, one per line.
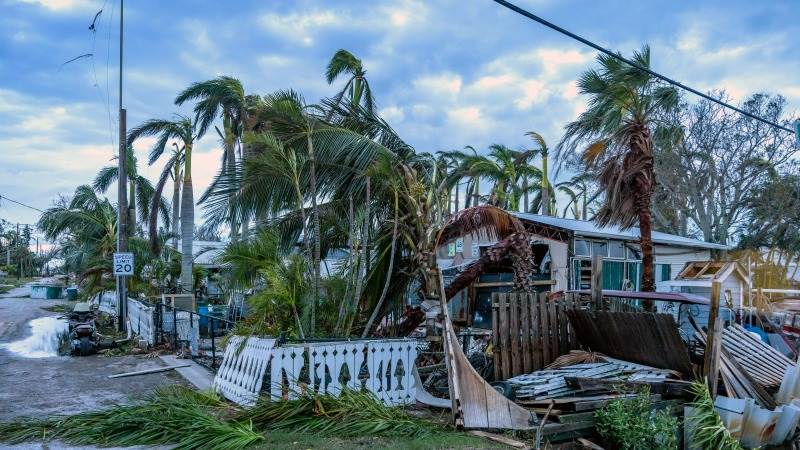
<point x="47" y="334"/>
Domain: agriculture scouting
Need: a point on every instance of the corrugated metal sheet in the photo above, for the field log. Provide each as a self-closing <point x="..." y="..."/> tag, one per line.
<point x="590" y="229"/>
<point x="644" y="338"/>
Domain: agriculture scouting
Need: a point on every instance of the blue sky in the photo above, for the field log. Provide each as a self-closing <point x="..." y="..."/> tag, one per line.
<point x="445" y="73"/>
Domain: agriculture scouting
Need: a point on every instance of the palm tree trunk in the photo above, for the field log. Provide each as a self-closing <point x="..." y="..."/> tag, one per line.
<point x="230" y="165"/>
<point x="457" y="205"/>
<point x="642" y="205"/>
<point x="176" y="205"/>
<point x="187" y="223"/>
<point x="476" y="191"/>
<point x="132" y="223"/>
<point x="364" y="241"/>
<point x="379" y="305"/>
<point x="317" y="231"/>
<point x="525" y="193"/>
<point x="545" y="187"/>
<point x="351" y="229"/>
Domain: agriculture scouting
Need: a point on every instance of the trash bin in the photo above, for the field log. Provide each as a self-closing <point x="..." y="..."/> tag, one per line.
<point x="72" y="294"/>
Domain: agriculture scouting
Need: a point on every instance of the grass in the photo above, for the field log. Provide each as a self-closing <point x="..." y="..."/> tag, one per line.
<point x="187" y="419"/>
<point x="58" y="308"/>
<point x="8" y="283"/>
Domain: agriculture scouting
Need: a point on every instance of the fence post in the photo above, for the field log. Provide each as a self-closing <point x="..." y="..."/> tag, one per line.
<point x="713" y="340"/>
<point x="213" y="345"/>
<point x="174" y="329"/>
<point x="597" y="282"/>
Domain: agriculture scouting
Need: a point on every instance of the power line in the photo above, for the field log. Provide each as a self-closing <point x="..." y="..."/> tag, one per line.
<point x="555" y="27"/>
<point x="21" y="204"/>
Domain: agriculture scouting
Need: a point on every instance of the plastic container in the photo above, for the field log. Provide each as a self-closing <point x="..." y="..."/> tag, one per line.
<point x="72" y="294"/>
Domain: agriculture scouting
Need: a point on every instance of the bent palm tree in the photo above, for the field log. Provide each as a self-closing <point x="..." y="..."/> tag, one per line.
<point x="183" y="130"/>
<point x="357" y="86"/>
<point x="624" y="106"/>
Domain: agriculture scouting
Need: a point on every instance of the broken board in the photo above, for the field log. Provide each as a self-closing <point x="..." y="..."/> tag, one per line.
<point x="475" y="403"/>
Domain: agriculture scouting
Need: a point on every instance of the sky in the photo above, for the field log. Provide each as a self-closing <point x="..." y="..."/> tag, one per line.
<point x="445" y="73"/>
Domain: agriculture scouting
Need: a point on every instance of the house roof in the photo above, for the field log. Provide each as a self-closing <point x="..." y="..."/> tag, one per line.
<point x="590" y="229"/>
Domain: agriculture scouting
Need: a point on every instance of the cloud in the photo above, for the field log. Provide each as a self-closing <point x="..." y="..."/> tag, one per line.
<point x="442" y="84"/>
<point x="59" y="5"/>
<point x="300" y="27"/>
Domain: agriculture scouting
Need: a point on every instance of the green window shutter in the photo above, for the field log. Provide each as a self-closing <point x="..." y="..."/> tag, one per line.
<point x="613" y="273"/>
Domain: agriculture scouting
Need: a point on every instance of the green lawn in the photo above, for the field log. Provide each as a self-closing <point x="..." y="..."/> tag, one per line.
<point x="8" y="283"/>
<point x="442" y="441"/>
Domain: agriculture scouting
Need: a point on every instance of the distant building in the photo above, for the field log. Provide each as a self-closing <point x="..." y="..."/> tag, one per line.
<point x="563" y="250"/>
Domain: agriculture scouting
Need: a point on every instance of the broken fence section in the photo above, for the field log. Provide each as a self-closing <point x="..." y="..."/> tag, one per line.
<point x="244" y="365"/>
<point x="529" y="331"/>
<point x="141" y="320"/>
<point x="382" y="367"/>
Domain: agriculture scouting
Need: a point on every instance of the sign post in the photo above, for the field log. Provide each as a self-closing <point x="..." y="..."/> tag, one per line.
<point x="123" y="264"/>
<point x="121" y="268"/>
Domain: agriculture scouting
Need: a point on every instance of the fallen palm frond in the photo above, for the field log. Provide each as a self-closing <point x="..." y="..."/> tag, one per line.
<point x="175" y="415"/>
<point x="708" y="431"/>
<point x="576" y="357"/>
<point x="351" y="413"/>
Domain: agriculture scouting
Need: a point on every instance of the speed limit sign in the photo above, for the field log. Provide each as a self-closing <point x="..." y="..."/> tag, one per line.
<point x="123" y="264"/>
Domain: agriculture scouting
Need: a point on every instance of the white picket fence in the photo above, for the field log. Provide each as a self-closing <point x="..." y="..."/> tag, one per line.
<point x="383" y="367"/>
<point x="244" y="365"/>
<point x="141" y="320"/>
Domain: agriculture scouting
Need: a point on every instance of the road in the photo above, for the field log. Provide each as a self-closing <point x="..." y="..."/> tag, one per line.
<point x="62" y="384"/>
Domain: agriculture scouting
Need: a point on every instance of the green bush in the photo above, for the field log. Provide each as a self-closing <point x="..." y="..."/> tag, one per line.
<point x="631" y="424"/>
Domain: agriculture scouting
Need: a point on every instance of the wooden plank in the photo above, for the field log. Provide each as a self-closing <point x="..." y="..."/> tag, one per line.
<point x="505" y="440"/>
<point x="496" y="336"/>
<point x="469" y="393"/>
<point x="545" y="329"/>
<point x="713" y="341"/>
<point x="551" y="310"/>
<point x="514" y="331"/>
<point x="563" y="342"/>
<point x="536" y="337"/>
<point x="525" y="313"/>
<point x="497" y="412"/>
<point x="505" y="347"/>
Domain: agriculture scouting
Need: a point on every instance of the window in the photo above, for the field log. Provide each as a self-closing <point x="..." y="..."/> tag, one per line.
<point x="600" y="248"/>
<point x="582" y="248"/>
<point x="616" y="249"/>
<point x="634" y="254"/>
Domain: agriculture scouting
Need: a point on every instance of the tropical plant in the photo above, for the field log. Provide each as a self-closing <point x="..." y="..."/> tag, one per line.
<point x="185" y="131"/>
<point x="509" y="171"/>
<point x="357" y="87"/>
<point x="141" y="191"/>
<point x="221" y="97"/>
<point x="625" y="105"/>
<point x="86" y="230"/>
<point x="544" y="188"/>
<point x="631" y="424"/>
<point x="707" y="429"/>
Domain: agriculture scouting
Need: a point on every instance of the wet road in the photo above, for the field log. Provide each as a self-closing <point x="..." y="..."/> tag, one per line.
<point x="41" y="386"/>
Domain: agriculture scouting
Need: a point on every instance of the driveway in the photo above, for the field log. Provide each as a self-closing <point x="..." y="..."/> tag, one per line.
<point x="46" y="386"/>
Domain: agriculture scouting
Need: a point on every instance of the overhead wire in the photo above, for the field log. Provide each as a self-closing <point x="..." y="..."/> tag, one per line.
<point x="3" y="197"/>
<point x="618" y="56"/>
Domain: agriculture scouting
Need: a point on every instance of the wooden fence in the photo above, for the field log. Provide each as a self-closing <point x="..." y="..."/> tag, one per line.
<point x="529" y="331"/>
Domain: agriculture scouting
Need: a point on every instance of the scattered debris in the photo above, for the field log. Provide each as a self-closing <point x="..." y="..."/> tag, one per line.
<point x="146" y="371"/>
<point x="500" y="438"/>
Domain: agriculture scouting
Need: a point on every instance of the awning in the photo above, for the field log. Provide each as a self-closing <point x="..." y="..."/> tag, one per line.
<point x="679" y="297"/>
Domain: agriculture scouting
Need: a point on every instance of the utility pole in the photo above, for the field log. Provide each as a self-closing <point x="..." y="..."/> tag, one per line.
<point x="122" y="206"/>
<point x="19" y="260"/>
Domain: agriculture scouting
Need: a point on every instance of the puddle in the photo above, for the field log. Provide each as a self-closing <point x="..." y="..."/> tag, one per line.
<point x="47" y="334"/>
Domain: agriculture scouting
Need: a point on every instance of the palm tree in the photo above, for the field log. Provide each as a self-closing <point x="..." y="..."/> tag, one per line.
<point x="86" y="230"/>
<point x="220" y="97"/>
<point x="545" y="189"/>
<point x="141" y="191"/>
<point x="185" y="131"/>
<point x="357" y="87"/>
<point x="507" y="169"/>
<point x="624" y="108"/>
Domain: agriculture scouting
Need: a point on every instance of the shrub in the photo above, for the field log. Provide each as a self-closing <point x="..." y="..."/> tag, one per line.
<point x="632" y="424"/>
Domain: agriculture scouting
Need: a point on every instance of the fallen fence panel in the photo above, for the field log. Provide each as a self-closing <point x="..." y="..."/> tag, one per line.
<point x="244" y="364"/>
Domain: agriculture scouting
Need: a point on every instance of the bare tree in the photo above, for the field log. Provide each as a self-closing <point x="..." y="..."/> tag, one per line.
<point x="708" y="162"/>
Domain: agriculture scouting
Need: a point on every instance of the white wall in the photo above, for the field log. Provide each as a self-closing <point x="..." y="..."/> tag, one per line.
<point x="677" y="257"/>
